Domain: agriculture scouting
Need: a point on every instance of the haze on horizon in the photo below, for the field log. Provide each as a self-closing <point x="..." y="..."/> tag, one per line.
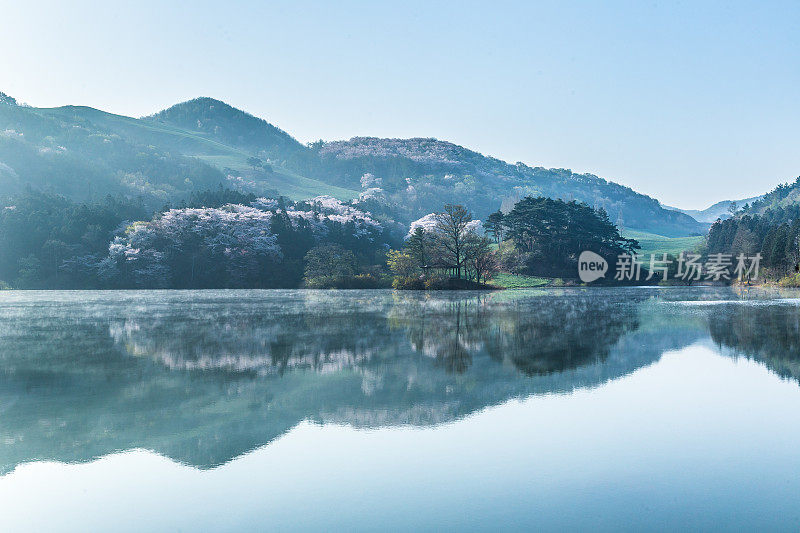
<point x="689" y="104"/>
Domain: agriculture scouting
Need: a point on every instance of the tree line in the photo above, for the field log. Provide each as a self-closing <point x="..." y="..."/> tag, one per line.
<point x="775" y="235"/>
<point x="227" y="239"/>
<point x="217" y="239"/>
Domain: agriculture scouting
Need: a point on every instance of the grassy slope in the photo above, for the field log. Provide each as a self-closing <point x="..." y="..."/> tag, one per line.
<point x="212" y="152"/>
<point x="658" y="244"/>
<point x="286" y="182"/>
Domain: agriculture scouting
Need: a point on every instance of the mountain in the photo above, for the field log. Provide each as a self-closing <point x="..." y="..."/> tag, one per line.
<point x="718" y="210"/>
<point x="82" y="153"/>
<point x="421" y="173"/>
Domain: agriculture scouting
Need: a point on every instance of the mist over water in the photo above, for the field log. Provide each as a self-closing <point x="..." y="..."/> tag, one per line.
<point x="657" y="407"/>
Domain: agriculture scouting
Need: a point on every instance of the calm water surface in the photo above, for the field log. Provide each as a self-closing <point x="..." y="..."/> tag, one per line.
<point x="601" y="409"/>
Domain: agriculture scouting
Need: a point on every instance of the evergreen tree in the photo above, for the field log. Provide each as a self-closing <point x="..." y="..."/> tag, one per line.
<point x="494" y="226"/>
<point x="554" y="233"/>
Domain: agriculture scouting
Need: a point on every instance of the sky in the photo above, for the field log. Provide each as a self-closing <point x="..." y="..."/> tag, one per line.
<point x="689" y="102"/>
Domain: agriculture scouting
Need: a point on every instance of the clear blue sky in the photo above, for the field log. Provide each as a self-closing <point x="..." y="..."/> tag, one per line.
<point x="689" y="102"/>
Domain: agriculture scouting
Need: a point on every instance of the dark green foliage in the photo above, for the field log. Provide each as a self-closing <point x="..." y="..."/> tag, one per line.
<point x="494" y="226"/>
<point x="330" y="260"/>
<point x="219" y="197"/>
<point x="331" y="266"/>
<point x="295" y="241"/>
<point x="420" y="246"/>
<point x="770" y="226"/>
<point x="783" y="197"/>
<point x="49" y="241"/>
<point x="552" y="233"/>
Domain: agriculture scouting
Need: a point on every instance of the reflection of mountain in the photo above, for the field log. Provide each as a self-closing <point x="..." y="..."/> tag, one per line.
<point x="205" y="376"/>
<point x="766" y="333"/>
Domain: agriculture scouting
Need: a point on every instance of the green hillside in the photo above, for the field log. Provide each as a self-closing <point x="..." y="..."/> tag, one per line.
<point x="220" y="122"/>
<point x="652" y="243"/>
<point x="64" y="151"/>
<point x="204" y="147"/>
<point x="83" y="152"/>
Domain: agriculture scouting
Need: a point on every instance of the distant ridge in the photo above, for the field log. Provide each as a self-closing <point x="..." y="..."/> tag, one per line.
<point x="718" y="210"/>
<point x="82" y="153"/>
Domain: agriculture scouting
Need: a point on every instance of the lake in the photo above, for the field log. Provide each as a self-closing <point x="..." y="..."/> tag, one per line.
<point x="601" y="408"/>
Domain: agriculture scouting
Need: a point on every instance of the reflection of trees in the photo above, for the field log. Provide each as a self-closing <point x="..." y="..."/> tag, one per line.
<point x="570" y="331"/>
<point x="766" y="333"/>
<point x="202" y="377"/>
<point x="577" y="332"/>
<point x="454" y="333"/>
<point x="270" y="338"/>
<point x="447" y="330"/>
<point x="330" y="333"/>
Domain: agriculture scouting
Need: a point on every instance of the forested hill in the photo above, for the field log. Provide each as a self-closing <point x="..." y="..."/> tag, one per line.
<point x="420" y="172"/>
<point x="782" y="197"/>
<point x="83" y="153"/>
<point x="769" y="226"/>
<point x="228" y="125"/>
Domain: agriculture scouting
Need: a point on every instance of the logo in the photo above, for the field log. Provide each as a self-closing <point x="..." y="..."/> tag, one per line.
<point x="591" y="266"/>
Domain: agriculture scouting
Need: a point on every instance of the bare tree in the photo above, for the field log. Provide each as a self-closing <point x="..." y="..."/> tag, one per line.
<point x="480" y="262"/>
<point x="452" y="227"/>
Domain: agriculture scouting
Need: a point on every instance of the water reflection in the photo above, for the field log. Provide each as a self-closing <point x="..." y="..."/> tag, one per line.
<point x="203" y="377"/>
<point x="327" y="332"/>
<point x="769" y="334"/>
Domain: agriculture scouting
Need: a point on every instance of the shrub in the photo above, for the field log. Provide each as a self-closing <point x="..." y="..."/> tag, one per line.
<point x="401" y="264"/>
<point x="329" y="260"/>
<point x="408" y="283"/>
<point x="511" y="260"/>
<point x="790" y="281"/>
